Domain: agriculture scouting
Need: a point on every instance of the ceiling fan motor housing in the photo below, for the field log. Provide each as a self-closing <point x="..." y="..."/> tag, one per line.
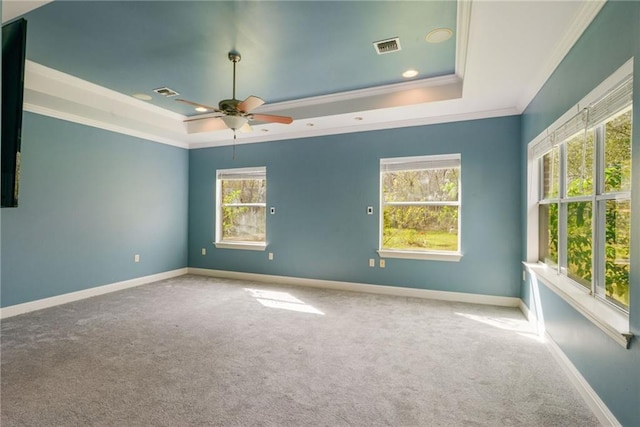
<point x="229" y="106"/>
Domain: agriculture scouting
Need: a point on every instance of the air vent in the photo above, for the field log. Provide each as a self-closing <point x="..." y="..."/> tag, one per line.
<point x="165" y="91"/>
<point x="387" y="46"/>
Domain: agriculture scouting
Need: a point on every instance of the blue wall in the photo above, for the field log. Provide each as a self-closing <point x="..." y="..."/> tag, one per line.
<point x="322" y="186"/>
<point x="90" y="200"/>
<point x="613" y="372"/>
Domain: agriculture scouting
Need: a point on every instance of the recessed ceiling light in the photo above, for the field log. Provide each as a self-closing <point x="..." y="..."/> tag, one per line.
<point x="439" y="35"/>
<point x="410" y="73"/>
<point x="202" y="109"/>
<point x="142" y="96"/>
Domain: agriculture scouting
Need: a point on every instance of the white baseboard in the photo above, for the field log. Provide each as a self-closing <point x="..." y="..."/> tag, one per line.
<point x="27" y="307"/>
<point x="599" y="408"/>
<point x="362" y="287"/>
<point x="589" y="395"/>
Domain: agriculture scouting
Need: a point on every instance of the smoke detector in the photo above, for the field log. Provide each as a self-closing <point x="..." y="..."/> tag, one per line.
<point x="387" y="46"/>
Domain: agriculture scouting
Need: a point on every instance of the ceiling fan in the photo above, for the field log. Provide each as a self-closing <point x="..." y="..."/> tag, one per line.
<point x="231" y="113"/>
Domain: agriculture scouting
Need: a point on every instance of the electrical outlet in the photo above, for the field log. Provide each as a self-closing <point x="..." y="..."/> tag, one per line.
<point x="272" y="210"/>
<point x="372" y="262"/>
<point x="383" y="264"/>
<point x="204" y="251"/>
<point x="136" y="258"/>
<point x="369" y="210"/>
<point x="270" y="256"/>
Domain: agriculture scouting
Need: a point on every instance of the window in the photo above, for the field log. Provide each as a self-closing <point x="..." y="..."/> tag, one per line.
<point x="420" y="207"/>
<point x="241" y="196"/>
<point x="584" y="208"/>
<point x="579" y="207"/>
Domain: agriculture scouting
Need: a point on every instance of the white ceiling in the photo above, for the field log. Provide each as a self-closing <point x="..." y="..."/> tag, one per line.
<point x="505" y="52"/>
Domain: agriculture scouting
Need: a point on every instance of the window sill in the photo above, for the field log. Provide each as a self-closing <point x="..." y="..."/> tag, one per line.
<point x="613" y="322"/>
<point x="241" y="245"/>
<point x="434" y="256"/>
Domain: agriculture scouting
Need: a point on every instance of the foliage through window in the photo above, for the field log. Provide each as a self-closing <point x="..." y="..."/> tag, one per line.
<point x="420" y="203"/>
<point x="584" y="212"/>
<point x="241" y="205"/>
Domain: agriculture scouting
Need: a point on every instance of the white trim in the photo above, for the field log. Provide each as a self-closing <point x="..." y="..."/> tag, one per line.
<point x="610" y="320"/>
<point x="51" y="75"/>
<point x="463" y="23"/>
<point x="591" y="398"/>
<point x="241" y="245"/>
<point x="350" y="95"/>
<point x="435" y="256"/>
<point x="40" y="304"/>
<point x="74" y="118"/>
<point x="420" y="121"/>
<point x="589" y="10"/>
<point x="362" y="287"/>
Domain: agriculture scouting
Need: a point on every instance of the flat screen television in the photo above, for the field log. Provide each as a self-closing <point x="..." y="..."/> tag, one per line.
<point x="14" y="40"/>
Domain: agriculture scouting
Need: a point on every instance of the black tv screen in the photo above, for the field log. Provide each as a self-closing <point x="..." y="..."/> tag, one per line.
<point x="14" y="39"/>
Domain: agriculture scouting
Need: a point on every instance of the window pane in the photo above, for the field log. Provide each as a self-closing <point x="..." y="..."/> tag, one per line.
<point x="579" y="242"/>
<point x="550" y="173"/>
<point x="580" y="165"/>
<point x="244" y="191"/>
<point x="420" y="185"/>
<point x="617" y="153"/>
<point x="617" y="234"/>
<point x="548" y="233"/>
<point x="243" y="224"/>
<point x="420" y="228"/>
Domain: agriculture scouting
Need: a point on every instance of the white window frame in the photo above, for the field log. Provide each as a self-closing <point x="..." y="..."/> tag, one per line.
<point x="251" y="173"/>
<point x="605" y="315"/>
<point x="439" y="161"/>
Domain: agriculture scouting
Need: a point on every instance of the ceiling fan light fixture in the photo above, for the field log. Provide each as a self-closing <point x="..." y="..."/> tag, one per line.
<point x="234" y="122"/>
<point x="201" y="109"/>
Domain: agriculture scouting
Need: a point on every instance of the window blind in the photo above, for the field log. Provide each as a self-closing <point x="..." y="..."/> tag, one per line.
<point x="611" y="103"/>
<point x="420" y="163"/>
<point x="243" y="173"/>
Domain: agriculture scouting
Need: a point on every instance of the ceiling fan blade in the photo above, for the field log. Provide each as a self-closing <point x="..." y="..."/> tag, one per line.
<point x="204" y="124"/>
<point x="195" y="104"/>
<point x="272" y="119"/>
<point x="250" y="104"/>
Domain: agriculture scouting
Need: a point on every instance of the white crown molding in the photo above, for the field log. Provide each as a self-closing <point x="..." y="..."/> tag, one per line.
<point x="83" y="120"/>
<point x="40" y="304"/>
<point x="33" y="71"/>
<point x="55" y="94"/>
<point x="463" y="22"/>
<point x="584" y="17"/>
<point x="352" y="95"/>
<point x="422" y="121"/>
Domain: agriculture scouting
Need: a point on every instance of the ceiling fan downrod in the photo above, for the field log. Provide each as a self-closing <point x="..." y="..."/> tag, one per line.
<point x="235" y="58"/>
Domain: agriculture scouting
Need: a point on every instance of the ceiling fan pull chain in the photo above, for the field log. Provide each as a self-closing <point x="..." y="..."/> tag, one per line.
<point x="234" y="145"/>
